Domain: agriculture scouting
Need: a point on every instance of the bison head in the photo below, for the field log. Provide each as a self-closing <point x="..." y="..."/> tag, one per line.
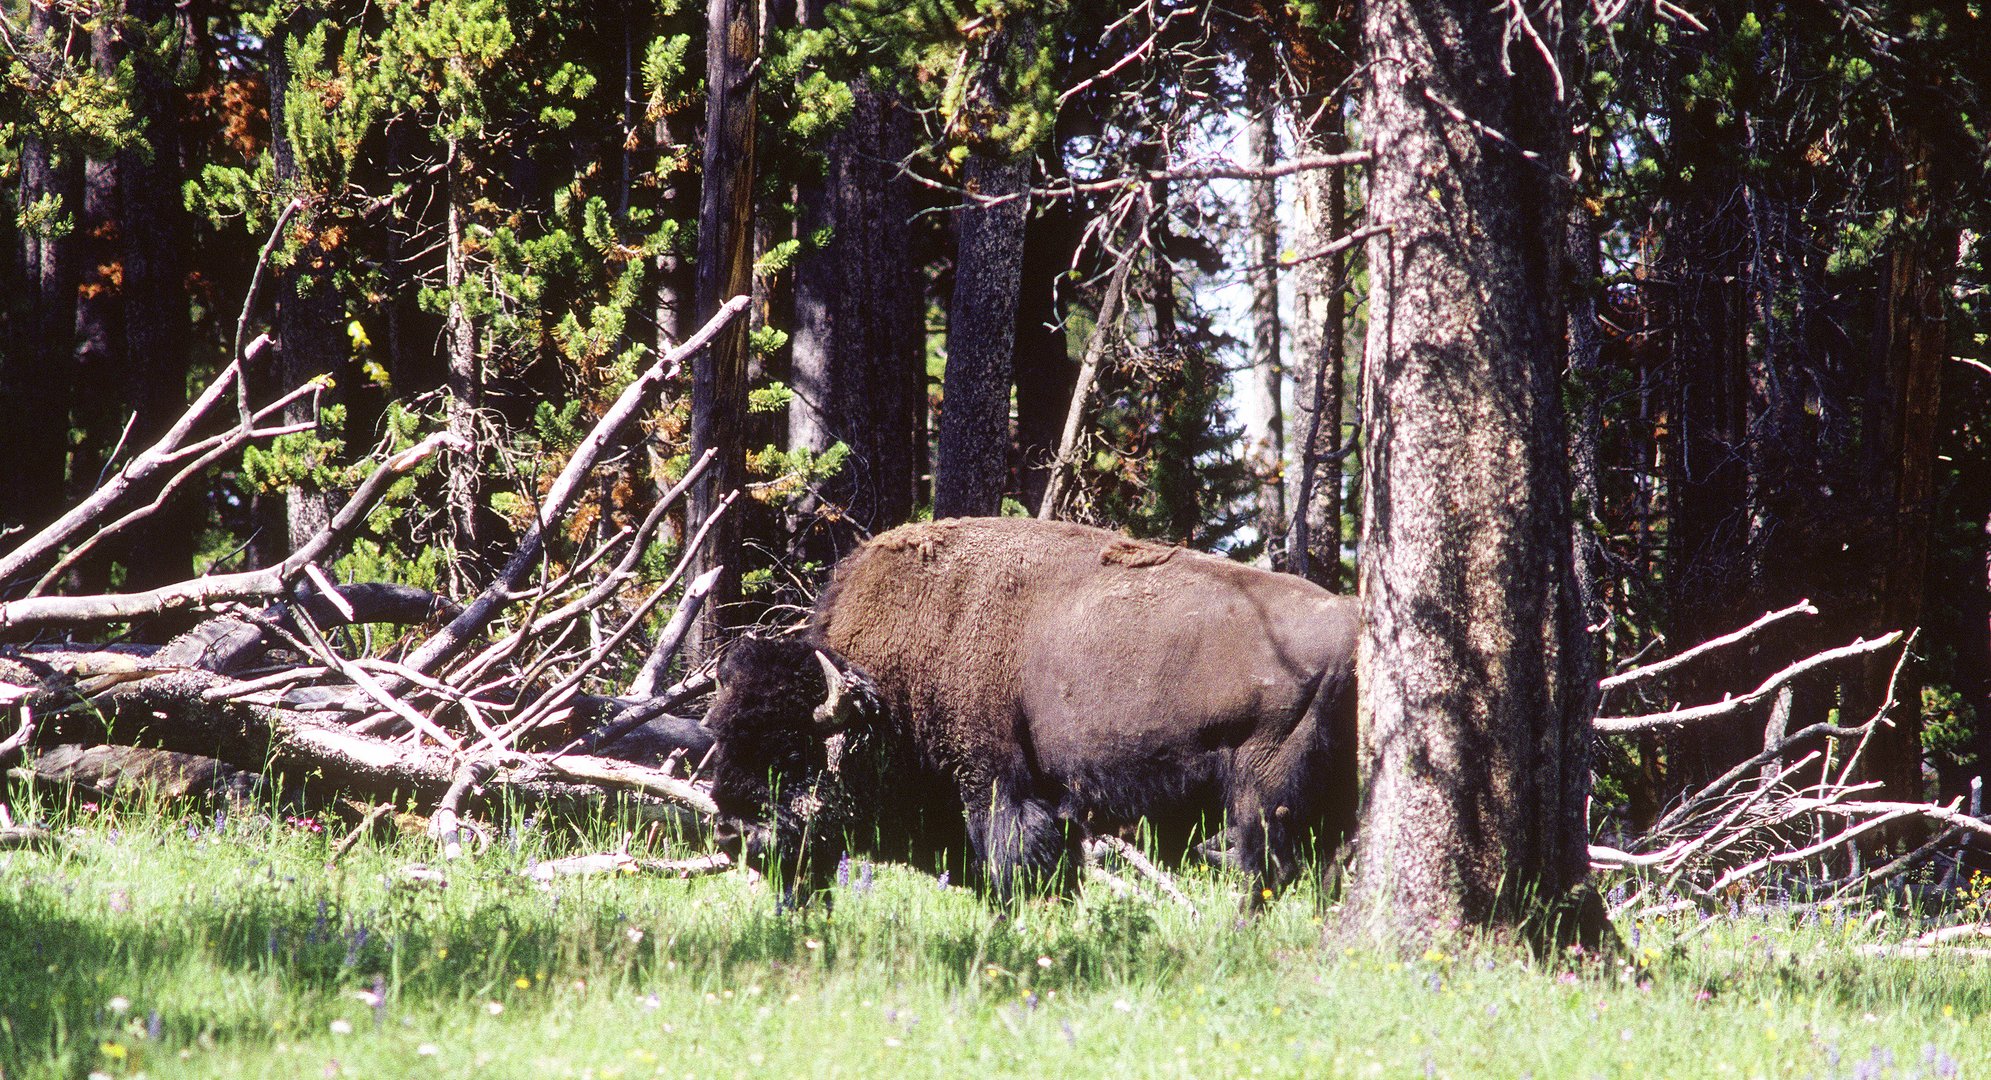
<point x="783" y="721"/>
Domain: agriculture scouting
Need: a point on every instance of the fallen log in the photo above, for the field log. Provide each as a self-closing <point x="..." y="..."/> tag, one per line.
<point x="181" y="710"/>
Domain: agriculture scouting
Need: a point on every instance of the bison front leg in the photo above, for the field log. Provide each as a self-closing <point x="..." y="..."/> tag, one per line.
<point x="1021" y="844"/>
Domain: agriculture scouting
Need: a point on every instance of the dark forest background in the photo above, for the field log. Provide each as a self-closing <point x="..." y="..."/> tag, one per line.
<point x="984" y="242"/>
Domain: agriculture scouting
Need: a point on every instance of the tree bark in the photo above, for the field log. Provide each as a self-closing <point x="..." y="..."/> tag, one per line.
<point x="725" y="269"/>
<point x="38" y="368"/>
<point x="1313" y="544"/>
<point x="1475" y="695"/>
<point x="309" y="314"/>
<point x="973" y="466"/>
<point x="1268" y="443"/>
<point x="1912" y="347"/>
<point x="1046" y="374"/>
<point x="857" y="354"/>
<point x="156" y="234"/>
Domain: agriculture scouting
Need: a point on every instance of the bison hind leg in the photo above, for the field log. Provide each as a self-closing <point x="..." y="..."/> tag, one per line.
<point x="1024" y="847"/>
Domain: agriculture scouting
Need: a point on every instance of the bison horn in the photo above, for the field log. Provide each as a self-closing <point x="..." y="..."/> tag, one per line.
<point x="830" y="714"/>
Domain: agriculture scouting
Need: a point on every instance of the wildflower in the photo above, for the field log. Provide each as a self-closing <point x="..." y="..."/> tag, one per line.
<point x="494" y="1007"/>
<point x="864" y="877"/>
<point x="634" y="935"/>
<point x="1044" y="962"/>
<point x="522" y="983"/>
<point x="843" y="870"/>
<point x="341" y="1027"/>
<point x="652" y="1002"/>
<point x="118" y="1004"/>
<point x="811" y="944"/>
<point x="114" y="1051"/>
<point x="943" y="879"/>
<point x="1704" y="994"/>
<point x="1435" y="957"/>
<point x="1122" y="1005"/>
<point x="427" y="1050"/>
<point x="153" y="1027"/>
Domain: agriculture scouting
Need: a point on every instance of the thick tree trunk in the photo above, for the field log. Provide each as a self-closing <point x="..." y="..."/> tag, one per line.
<point x="1313" y="544"/>
<point x="1475" y="695"/>
<point x="1268" y="440"/>
<point x="39" y="364"/>
<point x="973" y="466"/>
<point x="725" y="270"/>
<point x="857" y="352"/>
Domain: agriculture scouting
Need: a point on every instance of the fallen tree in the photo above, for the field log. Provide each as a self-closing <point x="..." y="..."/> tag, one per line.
<point x="258" y="683"/>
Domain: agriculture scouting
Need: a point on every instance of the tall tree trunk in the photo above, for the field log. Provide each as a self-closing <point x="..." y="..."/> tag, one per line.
<point x="99" y="418"/>
<point x="1046" y="374"/>
<point x="725" y="270"/>
<point x="1313" y="544"/>
<point x="154" y="226"/>
<point x="464" y="376"/>
<point x="1912" y="346"/>
<point x="1268" y="442"/>
<point x="857" y="352"/>
<point x="309" y="314"/>
<point x="678" y="200"/>
<point x="1474" y="689"/>
<point x="39" y="364"/>
<point x="973" y="465"/>
<point x="1704" y="317"/>
<point x="1586" y="345"/>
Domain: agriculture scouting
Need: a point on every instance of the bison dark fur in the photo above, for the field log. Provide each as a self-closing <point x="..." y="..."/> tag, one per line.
<point x="1005" y="684"/>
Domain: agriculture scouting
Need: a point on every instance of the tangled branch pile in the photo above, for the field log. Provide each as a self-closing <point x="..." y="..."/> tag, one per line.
<point x="496" y="693"/>
<point x="1790" y="825"/>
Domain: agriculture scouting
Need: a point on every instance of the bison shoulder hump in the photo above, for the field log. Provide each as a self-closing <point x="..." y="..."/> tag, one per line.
<point x="1123" y="552"/>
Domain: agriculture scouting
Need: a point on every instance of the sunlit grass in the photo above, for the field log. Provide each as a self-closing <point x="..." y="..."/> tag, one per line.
<point x="158" y="943"/>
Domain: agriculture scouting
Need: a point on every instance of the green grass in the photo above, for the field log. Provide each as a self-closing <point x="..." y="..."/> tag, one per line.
<point x="154" y="943"/>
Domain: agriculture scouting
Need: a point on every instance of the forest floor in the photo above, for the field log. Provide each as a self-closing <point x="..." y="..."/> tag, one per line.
<point x="155" y="943"/>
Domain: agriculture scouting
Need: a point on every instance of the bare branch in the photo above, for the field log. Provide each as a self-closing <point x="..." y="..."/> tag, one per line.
<point x="1618" y="725"/>
<point x="452" y="639"/>
<point x="219" y="588"/>
<point x="1653" y="670"/>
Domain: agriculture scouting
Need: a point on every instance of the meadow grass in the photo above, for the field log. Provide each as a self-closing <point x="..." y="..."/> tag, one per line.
<point x="160" y="944"/>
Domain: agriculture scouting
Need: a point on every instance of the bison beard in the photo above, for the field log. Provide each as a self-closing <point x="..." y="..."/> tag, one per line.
<point x="996" y="687"/>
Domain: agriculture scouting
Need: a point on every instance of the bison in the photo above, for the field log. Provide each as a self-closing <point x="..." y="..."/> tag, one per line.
<point x="996" y="686"/>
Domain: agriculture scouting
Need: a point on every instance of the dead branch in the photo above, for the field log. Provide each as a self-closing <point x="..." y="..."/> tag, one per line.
<point x="455" y="637"/>
<point x="1103" y="330"/>
<point x="446" y="826"/>
<point x="1098" y="846"/>
<point x="1649" y="671"/>
<point x="1620" y="725"/>
<point x="672" y="637"/>
<point x="175" y="710"/>
<point x="365" y="826"/>
<point x="621" y="862"/>
<point x="220" y="588"/>
<point x="13" y="746"/>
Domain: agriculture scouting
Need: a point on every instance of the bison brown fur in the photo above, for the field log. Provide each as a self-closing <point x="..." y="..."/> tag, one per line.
<point x="1004" y="685"/>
